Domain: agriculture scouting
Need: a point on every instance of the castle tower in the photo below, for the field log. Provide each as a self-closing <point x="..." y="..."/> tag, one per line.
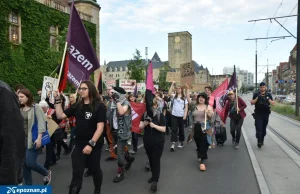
<point x="179" y="48"/>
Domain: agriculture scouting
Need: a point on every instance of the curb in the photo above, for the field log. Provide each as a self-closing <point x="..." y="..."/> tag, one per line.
<point x="262" y="183"/>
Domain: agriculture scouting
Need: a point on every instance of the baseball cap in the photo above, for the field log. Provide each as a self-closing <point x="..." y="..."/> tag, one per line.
<point x="262" y="84"/>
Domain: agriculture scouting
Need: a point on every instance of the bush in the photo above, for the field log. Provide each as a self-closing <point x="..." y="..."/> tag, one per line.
<point x="283" y="109"/>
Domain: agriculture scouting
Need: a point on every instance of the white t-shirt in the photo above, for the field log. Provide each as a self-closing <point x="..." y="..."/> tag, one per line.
<point x="178" y="107"/>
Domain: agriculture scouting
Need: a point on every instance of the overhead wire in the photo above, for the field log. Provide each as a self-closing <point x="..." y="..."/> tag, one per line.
<point x="263" y="50"/>
<point x="280" y="28"/>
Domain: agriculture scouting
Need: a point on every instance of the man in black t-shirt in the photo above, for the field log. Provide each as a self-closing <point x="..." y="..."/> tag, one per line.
<point x="262" y="101"/>
<point x="90" y="115"/>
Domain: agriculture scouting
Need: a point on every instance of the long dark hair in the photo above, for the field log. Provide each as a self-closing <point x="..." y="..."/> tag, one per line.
<point x="29" y="95"/>
<point x="93" y="95"/>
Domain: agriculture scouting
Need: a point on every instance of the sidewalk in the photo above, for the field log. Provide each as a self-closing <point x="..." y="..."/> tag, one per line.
<point x="278" y="162"/>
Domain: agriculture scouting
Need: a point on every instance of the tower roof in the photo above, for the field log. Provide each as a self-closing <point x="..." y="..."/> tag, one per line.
<point x="156" y="58"/>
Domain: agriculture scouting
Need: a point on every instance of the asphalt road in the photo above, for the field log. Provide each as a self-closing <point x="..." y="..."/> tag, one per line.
<point x="229" y="171"/>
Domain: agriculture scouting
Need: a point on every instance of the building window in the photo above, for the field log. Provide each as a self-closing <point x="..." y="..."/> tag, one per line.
<point x="47" y="2"/>
<point x="59" y="6"/>
<point x="14" y="28"/>
<point x="53" y="37"/>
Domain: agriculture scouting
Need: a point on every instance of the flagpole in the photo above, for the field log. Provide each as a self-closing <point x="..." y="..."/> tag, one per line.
<point x="77" y="88"/>
<point x="53" y="71"/>
<point x="62" y="62"/>
<point x="237" y="101"/>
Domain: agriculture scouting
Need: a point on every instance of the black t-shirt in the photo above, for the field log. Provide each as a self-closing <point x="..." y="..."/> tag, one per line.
<point x="87" y="119"/>
<point x="151" y="134"/>
<point x="262" y="105"/>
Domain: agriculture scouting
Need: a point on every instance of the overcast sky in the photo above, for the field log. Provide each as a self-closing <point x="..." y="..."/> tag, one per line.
<point x="218" y="29"/>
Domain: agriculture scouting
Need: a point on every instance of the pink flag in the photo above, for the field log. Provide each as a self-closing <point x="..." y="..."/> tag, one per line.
<point x="220" y="94"/>
<point x="149" y="83"/>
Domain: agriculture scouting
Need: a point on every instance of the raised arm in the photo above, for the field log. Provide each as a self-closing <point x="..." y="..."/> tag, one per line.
<point x="171" y="88"/>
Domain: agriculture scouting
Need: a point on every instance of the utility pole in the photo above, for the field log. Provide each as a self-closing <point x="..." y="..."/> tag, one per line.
<point x="298" y="65"/>
<point x="256" y="66"/>
<point x="280" y="37"/>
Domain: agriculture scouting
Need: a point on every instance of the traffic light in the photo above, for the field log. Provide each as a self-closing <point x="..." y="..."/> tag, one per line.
<point x="285" y="81"/>
<point x="276" y="81"/>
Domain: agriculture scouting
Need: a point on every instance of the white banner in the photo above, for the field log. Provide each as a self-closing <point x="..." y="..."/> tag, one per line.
<point x="127" y="85"/>
<point x="49" y="84"/>
<point x="110" y="82"/>
<point x="141" y="87"/>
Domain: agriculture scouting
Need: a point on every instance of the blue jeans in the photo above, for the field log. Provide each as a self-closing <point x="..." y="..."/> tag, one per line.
<point x="31" y="164"/>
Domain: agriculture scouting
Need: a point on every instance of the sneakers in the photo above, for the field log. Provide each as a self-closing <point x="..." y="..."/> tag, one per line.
<point x="120" y="176"/>
<point x="237" y="146"/>
<point x="172" y="148"/>
<point x="233" y="141"/>
<point x="129" y="162"/>
<point x="180" y="145"/>
<point x="132" y="152"/>
<point x="47" y="179"/>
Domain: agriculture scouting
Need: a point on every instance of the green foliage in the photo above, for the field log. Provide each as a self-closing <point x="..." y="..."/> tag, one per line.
<point x="162" y="77"/>
<point x="136" y="68"/>
<point x="283" y="109"/>
<point x="33" y="59"/>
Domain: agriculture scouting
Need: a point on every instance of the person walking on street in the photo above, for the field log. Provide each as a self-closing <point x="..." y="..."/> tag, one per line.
<point x="262" y="101"/>
<point x="179" y="109"/>
<point x="235" y="107"/>
<point x="154" y="139"/>
<point x="109" y="135"/>
<point x="202" y="128"/>
<point x="90" y="117"/>
<point x="120" y="123"/>
<point x="29" y="112"/>
<point x="12" y="137"/>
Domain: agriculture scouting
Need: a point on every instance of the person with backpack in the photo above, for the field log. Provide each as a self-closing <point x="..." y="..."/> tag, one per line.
<point x="179" y="109"/>
<point x="154" y="139"/>
<point x="262" y="101"/>
<point x="120" y="123"/>
<point x="90" y="115"/>
<point x="235" y="107"/>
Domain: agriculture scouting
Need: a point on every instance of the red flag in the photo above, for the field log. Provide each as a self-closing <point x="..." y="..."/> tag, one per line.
<point x="220" y="95"/>
<point x="62" y="82"/>
<point x="137" y="112"/>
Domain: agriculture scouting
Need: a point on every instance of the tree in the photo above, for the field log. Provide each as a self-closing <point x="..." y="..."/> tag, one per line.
<point x="136" y="68"/>
<point x="162" y="77"/>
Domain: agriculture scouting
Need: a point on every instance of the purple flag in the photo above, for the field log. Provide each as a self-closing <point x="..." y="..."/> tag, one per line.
<point x="233" y="82"/>
<point x="82" y="58"/>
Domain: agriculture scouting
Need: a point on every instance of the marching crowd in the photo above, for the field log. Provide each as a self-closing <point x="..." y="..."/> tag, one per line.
<point x="92" y="119"/>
